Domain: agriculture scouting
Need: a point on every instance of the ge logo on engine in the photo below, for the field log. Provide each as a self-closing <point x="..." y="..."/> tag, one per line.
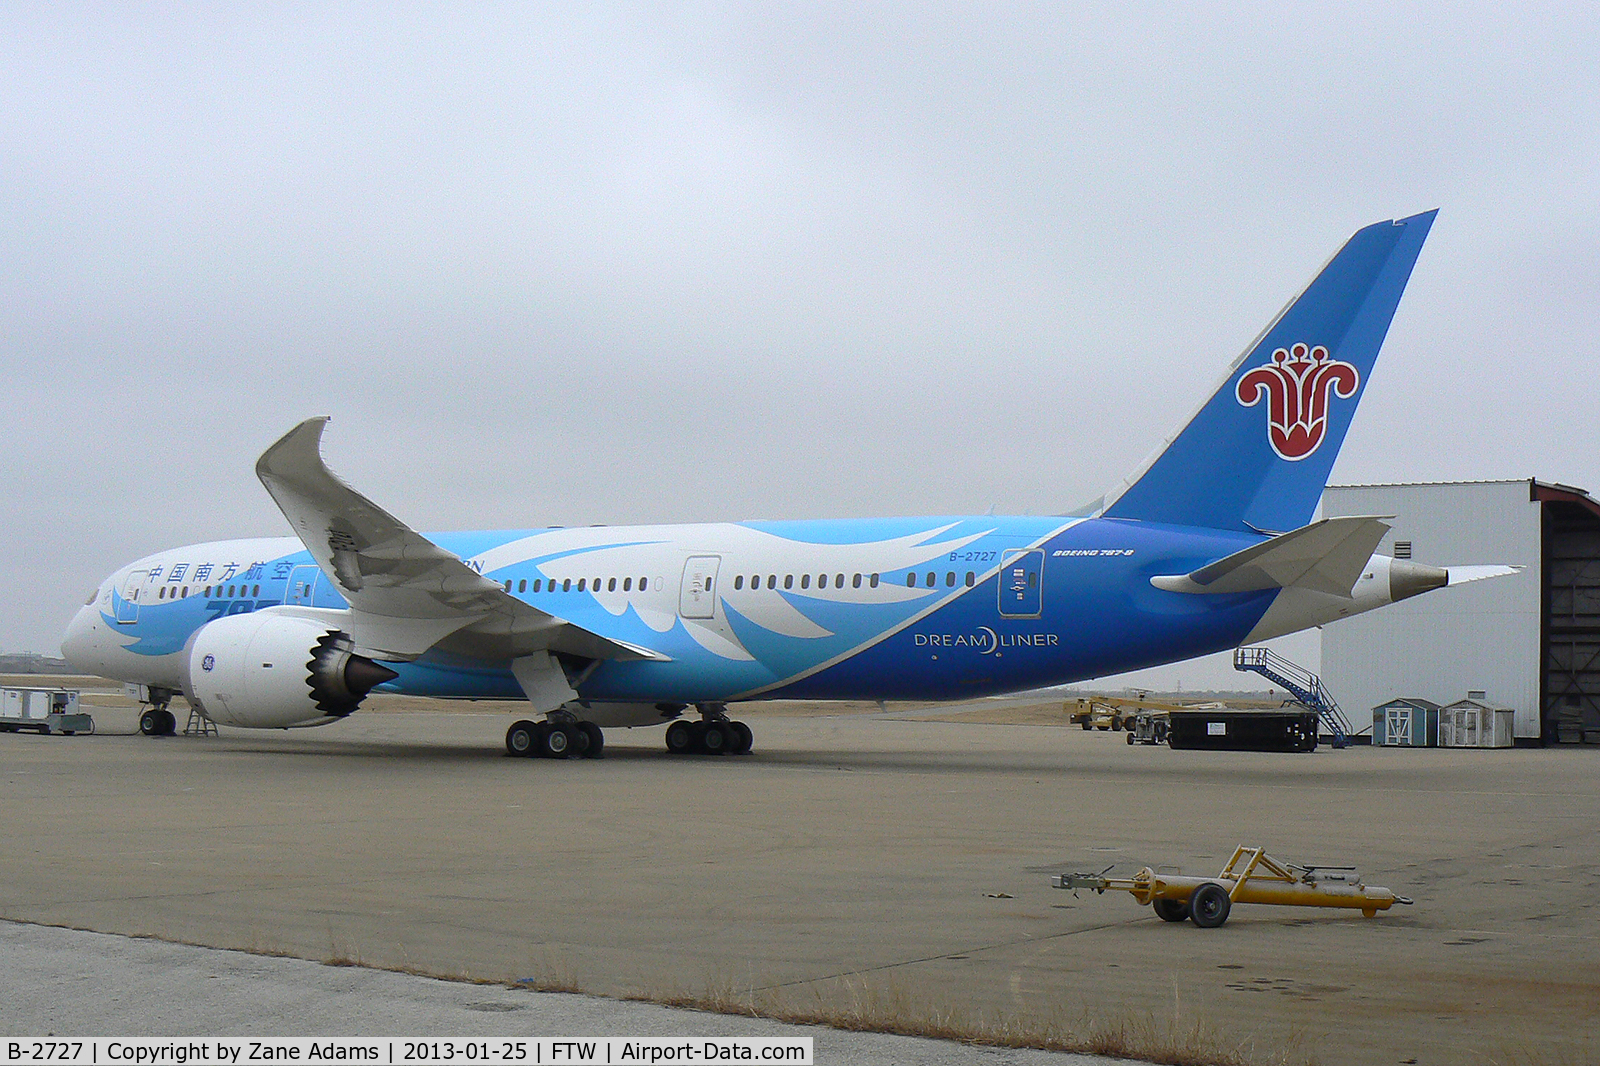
<point x="208" y="662"/>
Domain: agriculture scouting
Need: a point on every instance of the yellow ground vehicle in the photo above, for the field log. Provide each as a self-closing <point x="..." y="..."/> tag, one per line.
<point x="1250" y="876"/>
<point x="1115" y="712"/>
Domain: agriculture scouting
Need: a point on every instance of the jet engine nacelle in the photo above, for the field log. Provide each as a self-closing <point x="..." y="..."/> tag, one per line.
<point x="273" y="669"/>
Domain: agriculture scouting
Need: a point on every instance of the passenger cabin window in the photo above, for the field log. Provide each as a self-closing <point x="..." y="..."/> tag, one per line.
<point x="788" y="581"/>
<point x="537" y="582"/>
<point x="566" y="585"/>
<point x="772" y="581"/>
<point x="581" y="582"/>
<point x="911" y="581"/>
<point x="627" y="584"/>
<point x="643" y="581"/>
<point x="855" y="582"/>
<point x="257" y="591"/>
<point x="971" y="579"/>
<point x="208" y="591"/>
<point x="738" y="583"/>
<point x="873" y="580"/>
<point x="611" y="585"/>
<point x="950" y="579"/>
<point x="838" y="580"/>
<point x="805" y="581"/>
<point x="508" y="584"/>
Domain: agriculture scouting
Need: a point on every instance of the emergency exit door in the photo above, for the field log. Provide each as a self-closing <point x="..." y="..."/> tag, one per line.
<point x="1021" y="583"/>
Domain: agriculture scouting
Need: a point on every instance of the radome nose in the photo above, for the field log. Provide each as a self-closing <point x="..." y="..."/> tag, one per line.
<point x="78" y="643"/>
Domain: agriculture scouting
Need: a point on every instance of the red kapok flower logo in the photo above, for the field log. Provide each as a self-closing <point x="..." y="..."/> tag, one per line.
<point x="1298" y="384"/>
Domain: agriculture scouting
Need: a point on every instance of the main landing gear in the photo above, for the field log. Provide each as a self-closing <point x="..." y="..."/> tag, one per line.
<point x="714" y="734"/>
<point x="556" y="740"/>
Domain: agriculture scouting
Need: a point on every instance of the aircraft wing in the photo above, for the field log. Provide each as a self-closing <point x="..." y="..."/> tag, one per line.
<point x="406" y="593"/>
<point x="1326" y="556"/>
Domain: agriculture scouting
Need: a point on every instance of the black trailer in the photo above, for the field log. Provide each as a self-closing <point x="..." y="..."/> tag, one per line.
<point x="1285" y="729"/>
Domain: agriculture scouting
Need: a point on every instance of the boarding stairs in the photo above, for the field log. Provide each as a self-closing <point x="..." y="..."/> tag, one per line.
<point x="1300" y="683"/>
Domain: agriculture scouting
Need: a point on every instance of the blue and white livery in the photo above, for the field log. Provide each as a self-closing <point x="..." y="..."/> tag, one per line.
<point x="1209" y="546"/>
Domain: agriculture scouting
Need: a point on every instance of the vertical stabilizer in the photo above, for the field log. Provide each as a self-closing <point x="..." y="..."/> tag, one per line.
<point x="1257" y="454"/>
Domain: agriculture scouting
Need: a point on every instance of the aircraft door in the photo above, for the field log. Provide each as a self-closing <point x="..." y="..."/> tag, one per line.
<point x="697" y="598"/>
<point x="1021" y="583"/>
<point x="128" y="607"/>
<point x="302" y="587"/>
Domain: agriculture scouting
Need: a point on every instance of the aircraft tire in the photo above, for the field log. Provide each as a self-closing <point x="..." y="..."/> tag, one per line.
<point x="597" y="740"/>
<point x="169" y="724"/>
<point x="520" y="739"/>
<point x="680" y="738"/>
<point x="556" y="742"/>
<point x="1170" y="910"/>
<point x="715" y="740"/>
<point x="744" y="737"/>
<point x="1209" y="905"/>
<point x="150" y="723"/>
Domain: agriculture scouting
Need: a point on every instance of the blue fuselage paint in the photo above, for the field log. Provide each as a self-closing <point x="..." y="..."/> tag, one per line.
<point x="929" y="608"/>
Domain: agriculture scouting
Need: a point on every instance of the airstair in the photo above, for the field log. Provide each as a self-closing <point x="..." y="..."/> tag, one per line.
<point x="1300" y="683"/>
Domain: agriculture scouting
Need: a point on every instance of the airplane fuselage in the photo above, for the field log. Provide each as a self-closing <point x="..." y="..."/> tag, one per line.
<point x="927" y="608"/>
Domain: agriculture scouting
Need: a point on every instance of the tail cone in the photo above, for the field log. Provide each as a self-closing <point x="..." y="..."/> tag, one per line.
<point x="1408" y="579"/>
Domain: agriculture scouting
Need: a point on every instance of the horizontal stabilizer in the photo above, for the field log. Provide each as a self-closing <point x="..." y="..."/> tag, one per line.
<point x="1326" y="556"/>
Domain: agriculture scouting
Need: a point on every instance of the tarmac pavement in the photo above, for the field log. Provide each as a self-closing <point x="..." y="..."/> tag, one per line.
<point x="863" y="866"/>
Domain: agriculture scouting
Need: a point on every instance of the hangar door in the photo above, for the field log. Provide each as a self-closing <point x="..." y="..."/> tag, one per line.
<point x="1571" y="696"/>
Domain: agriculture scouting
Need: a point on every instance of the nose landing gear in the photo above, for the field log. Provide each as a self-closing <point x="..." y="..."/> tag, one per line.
<point x="157" y="721"/>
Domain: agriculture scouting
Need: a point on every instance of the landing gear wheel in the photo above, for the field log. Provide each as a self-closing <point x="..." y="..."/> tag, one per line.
<point x="1209" y="905"/>
<point x="680" y="738"/>
<point x="1170" y="910"/>
<point x="715" y="740"/>
<point x="555" y="741"/>
<point x="596" y="747"/>
<point x="150" y="723"/>
<point x="169" y="724"/>
<point x="520" y="739"/>
<point x="743" y="738"/>
<point x="580" y="741"/>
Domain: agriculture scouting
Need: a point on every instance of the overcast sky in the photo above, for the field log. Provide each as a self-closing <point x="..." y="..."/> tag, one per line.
<point x="565" y="265"/>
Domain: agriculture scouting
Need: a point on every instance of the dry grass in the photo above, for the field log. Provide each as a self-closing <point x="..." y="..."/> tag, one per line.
<point x="883" y="1005"/>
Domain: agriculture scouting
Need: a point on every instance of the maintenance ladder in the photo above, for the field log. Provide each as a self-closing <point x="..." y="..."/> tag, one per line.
<point x="1300" y="683"/>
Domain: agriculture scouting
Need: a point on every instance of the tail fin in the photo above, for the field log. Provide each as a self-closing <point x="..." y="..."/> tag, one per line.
<point x="1257" y="454"/>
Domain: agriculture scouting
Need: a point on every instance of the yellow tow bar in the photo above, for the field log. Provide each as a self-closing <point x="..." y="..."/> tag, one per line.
<point x="1251" y="876"/>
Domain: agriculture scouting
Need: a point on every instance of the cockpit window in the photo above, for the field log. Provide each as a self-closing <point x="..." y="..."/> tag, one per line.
<point x="95" y="595"/>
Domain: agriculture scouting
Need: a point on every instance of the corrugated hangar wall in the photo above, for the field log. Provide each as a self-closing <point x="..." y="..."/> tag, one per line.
<point x="1530" y="641"/>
